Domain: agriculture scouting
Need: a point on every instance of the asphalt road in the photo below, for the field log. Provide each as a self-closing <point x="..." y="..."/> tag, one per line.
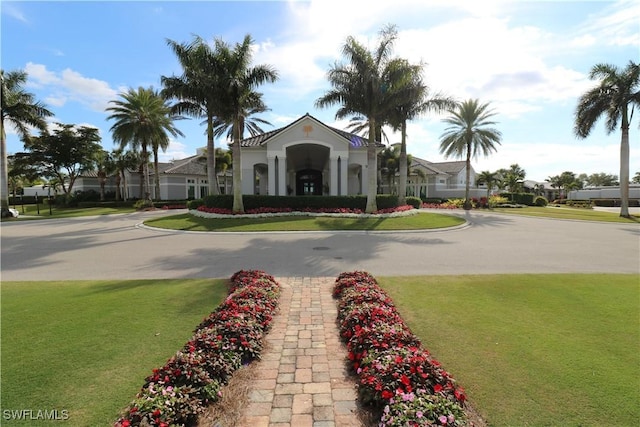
<point x="117" y="247"/>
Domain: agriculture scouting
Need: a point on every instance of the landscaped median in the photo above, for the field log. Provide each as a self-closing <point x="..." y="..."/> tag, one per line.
<point x="230" y="337"/>
<point x="317" y="219"/>
<point x="397" y="378"/>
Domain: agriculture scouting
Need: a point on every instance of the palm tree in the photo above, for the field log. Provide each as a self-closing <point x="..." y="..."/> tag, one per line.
<point x="489" y="179"/>
<point x="416" y="101"/>
<point x="224" y="160"/>
<point x="240" y="102"/>
<point x="369" y="84"/>
<point x="142" y="119"/>
<point x="198" y="91"/>
<point x="20" y="110"/>
<point x="389" y="164"/>
<point x="468" y="135"/>
<point x="123" y="161"/>
<point x="617" y="91"/>
<point x="514" y="177"/>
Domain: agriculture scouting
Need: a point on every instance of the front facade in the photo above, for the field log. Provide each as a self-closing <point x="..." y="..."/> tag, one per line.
<point x="306" y="157"/>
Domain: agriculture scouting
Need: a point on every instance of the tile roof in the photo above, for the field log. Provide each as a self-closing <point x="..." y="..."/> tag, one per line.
<point x="258" y="140"/>
<point x="439" y="168"/>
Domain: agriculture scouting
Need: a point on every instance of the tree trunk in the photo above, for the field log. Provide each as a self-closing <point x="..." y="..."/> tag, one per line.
<point x="141" y="173"/>
<point x="402" y="190"/>
<point x="156" y="175"/>
<point x="467" y="201"/>
<point x="4" y="174"/>
<point x="118" y="181"/>
<point x="212" y="177"/>
<point x="238" y="205"/>
<point x="624" y="172"/>
<point x="372" y="169"/>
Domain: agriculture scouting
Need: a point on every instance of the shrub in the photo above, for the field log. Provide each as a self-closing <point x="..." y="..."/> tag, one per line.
<point x="414" y="201"/>
<point x="519" y="198"/>
<point x="143" y="204"/>
<point x="230" y="336"/>
<point x="540" y="201"/>
<point x="397" y="377"/>
<point x="497" y="200"/>
<point x="456" y="203"/>
<point x="584" y="204"/>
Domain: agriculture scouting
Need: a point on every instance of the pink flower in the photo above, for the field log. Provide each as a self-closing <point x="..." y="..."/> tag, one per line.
<point x="443" y="419"/>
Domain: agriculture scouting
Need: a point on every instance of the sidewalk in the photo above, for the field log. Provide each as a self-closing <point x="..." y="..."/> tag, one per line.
<point x="301" y="379"/>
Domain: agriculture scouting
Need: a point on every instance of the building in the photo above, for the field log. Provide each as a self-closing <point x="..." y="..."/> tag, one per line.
<point x="306" y="157"/>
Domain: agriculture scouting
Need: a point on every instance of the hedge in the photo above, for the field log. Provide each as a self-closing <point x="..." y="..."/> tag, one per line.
<point x="225" y="201"/>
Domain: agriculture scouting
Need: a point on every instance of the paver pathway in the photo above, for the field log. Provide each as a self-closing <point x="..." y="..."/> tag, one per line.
<point x="302" y="378"/>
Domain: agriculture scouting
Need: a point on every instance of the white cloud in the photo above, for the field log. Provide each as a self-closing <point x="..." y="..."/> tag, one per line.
<point x="69" y="85"/>
<point x="617" y="25"/>
<point x="175" y="151"/>
<point x="13" y="11"/>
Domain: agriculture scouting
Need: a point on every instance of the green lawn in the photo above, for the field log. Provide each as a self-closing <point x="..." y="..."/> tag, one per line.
<point x="568" y="213"/>
<point x="30" y="212"/>
<point x="533" y="350"/>
<point x="86" y="346"/>
<point x="529" y="349"/>
<point x="303" y="223"/>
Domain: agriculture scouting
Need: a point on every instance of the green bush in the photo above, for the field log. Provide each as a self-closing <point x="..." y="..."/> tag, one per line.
<point x="434" y="200"/>
<point x="250" y="201"/>
<point x="520" y="198"/>
<point x="414" y="201"/>
<point x="540" y="201"/>
<point x="143" y="204"/>
<point x="585" y="204"/>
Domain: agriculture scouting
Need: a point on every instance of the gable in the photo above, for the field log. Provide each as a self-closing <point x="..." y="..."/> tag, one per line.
<point x="306" y="128"/>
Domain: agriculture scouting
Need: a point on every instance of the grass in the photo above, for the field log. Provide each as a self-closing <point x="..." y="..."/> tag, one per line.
<point x="529" y="349"/>
<point x="533" y="350"/>
<point x="30" y="212"/>
<point x="568" y="213"/>
<point x="86" y="346"/>
<point x="302" y="223"/>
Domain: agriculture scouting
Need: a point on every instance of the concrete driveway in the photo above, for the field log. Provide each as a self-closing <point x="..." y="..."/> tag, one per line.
<point x="117" y="247"/>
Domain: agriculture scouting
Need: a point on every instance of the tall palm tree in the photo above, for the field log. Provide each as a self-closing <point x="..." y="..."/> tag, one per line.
<point x="617" y="91"/>
<point x="469" y="134"/>
<point x="240" y="102"/>
<point x="198" y="91"/>
<point x="142" y="119"/>
<point x="489" y="179"/>
<point x="415" y="101"/>
<point x="368" y="84"/>
<point x="22" y="111"/>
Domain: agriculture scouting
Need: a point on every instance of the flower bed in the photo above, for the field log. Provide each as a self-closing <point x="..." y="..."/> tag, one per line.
<point x="232" y="335"/>
<point x="205" y="212"/>
<point x="397" y="377"/>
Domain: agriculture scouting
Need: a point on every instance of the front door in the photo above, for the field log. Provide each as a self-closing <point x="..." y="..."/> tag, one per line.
<point x="309" y="182"/>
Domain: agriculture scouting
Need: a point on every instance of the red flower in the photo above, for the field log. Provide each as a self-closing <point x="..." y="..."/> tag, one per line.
<point x="386" y="395"/>
<point x="437" y="388"/>
<point x="405" y="380"/>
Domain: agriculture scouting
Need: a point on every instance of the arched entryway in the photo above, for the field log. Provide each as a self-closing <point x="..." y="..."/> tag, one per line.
<point x="309" y="182"/>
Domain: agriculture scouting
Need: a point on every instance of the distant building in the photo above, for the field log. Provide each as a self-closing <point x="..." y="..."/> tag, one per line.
<point x="306" y="157"/>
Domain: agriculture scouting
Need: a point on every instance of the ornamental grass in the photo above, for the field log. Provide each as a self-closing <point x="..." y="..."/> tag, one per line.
<point x="397" y="378"/>
<point x="231" y="336"/>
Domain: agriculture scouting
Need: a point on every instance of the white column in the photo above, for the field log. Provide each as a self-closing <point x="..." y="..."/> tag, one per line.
<point x="282" y="175"/>
<point x="271" y="175"/>
<point x="333" y="181"/>
<point x="344" y="176"/>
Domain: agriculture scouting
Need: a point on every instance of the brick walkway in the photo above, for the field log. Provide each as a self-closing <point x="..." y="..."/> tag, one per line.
<point x="301" y="379"/>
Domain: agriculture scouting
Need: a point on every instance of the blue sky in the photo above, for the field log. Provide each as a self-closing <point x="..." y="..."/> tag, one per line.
<point x="529" y="59"/>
